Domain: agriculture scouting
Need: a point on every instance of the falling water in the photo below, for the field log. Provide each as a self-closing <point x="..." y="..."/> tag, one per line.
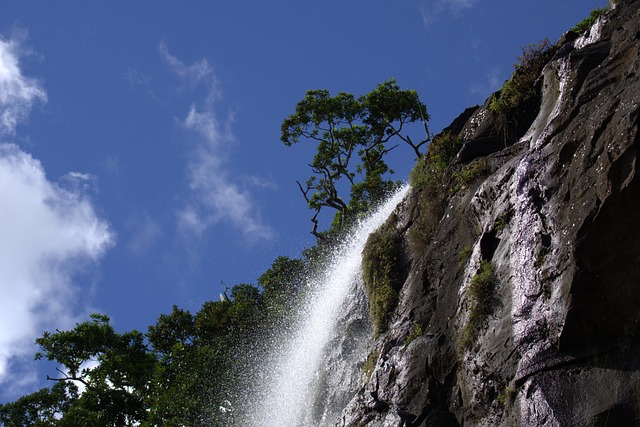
<point x="287" y="393"/>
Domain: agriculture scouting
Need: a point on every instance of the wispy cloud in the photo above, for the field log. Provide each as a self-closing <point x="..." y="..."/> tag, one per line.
<point x="48" y="232"/>
<point x="17" y="92"/>
<point x="431" y="9"/>
<point x="200" y="73"/>
<point x="491" y="83"/>
<point x="217" y="195"/>
<point x="144" y="233"/>
<point x="459" y="4"/>
<point x="488" y="77"/>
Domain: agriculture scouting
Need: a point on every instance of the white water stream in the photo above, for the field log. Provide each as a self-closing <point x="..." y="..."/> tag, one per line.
<point x="284" y="395"/>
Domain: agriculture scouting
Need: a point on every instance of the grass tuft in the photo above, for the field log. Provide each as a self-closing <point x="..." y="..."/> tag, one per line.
<point x="480" y="295"/>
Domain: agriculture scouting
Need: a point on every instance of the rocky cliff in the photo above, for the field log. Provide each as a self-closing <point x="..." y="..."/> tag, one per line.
<point x="552" y="225"/>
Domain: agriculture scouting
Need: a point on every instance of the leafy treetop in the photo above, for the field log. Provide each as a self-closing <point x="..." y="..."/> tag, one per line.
<point x="353" y="135"/>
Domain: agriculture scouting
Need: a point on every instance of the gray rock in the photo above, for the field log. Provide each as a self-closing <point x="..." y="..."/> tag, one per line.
<point x="558" y="218"/>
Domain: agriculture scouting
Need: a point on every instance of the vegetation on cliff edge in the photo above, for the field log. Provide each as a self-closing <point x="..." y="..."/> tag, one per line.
<point x="383" y="273"/>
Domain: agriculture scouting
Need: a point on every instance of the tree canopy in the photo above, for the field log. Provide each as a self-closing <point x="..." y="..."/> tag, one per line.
<point x="353" y="136"/>
<point x="185" y="371"/>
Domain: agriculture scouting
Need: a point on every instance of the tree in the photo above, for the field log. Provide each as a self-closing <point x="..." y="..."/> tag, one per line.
<point x="353" y="136"/>
<point x="39" y="408"/>
<point x="103" y="379"/>
<point x="282" y="284"/>
<point x="178" y="327"/>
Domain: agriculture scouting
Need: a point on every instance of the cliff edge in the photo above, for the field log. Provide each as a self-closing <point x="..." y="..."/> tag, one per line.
<point x="522" y="300"/>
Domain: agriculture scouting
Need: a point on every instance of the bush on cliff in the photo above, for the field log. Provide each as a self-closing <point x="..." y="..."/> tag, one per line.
<point x="383" y="273"/>
<point x="582" y="26"/>
<point x="518" y="98"/>
<point x="429" y="170"/>
<point x="480" y="296"/>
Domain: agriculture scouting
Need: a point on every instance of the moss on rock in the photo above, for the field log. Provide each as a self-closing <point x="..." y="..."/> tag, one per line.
<point x="384" y="273"/>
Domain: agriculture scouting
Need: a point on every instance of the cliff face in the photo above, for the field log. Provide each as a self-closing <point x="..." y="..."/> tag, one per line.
<point x="557" y="217"/>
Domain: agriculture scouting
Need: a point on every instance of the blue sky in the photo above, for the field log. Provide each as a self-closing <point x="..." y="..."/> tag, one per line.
<point x="140" y="161"/>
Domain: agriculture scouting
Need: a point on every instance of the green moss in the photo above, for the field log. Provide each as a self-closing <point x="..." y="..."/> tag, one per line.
<point x="480" y="295"/>
<point x="582" y="26"/>
<point x="464" y="254"/>
<point x="416" y="331"/>
<point x="507" y="396"/>
<point x="470" y="174"/>
<point x="361" y="423"/>
<point x="503" y="220"/>
<point x="384" y="273"/>
<point x="429" y="169"/>
<point x="370" y="364"/>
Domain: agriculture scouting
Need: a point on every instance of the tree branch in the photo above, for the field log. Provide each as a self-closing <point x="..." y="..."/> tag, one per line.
<point x="66" y="377"/>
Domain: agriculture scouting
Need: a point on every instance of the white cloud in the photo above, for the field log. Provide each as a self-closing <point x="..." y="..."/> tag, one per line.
<point x="17" y="93"/>
<point x="217" y="195"/>
<point x="198" y="73"/>
<point x="48" y="232"/>
<point x="80" y="182"/>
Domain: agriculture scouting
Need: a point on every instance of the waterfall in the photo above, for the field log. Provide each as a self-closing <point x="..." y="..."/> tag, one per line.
<point x="297" y="381"/>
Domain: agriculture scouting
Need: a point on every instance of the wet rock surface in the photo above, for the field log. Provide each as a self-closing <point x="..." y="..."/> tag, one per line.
<point x="558" y="218"/>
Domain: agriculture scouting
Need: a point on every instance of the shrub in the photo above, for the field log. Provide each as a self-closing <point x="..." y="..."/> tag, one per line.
<point x="520" y="87"/>
<point x="470" y="174"/>
<point x="517" y="98"/>
<point x="430" y="209"/>
<point x="416" y="332"/>
<point x="384" y="273"/>
<point x="503" y="220"/>
<point x="429" y="169"/>
<point x="480" y="296"/>
<point x="427" y="177"/>
<point x="507" y="396"/>
<point x="582" y="26"/>
<point x="464" y="255"/>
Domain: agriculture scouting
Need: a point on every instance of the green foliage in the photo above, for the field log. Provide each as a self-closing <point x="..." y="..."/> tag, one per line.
<point x="507" y="396"/>
<point x="521" y="86"/>
<point x="39" y="408"/>
<point x="430" y="169"/>
<point x="480" y="296"/>
<point x="189" y="387"/>
<point x="582" y="26"/>
<point x="518" y="96"/>
<point x="114" y="386"/>
<point x="384" y="273"/>
<point x="282" y="285"/>
<point x="171" y="329"/>
<point x="370" y="364"/>
<point x="470" y="174"/>
<point x="353" y="137"/>
<point x="181" y="373"/>
<point x="503" y="220"/>
<point x="464" y="254"/>
<point x="429" y="178"/>
<point x="416" y="332"/>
